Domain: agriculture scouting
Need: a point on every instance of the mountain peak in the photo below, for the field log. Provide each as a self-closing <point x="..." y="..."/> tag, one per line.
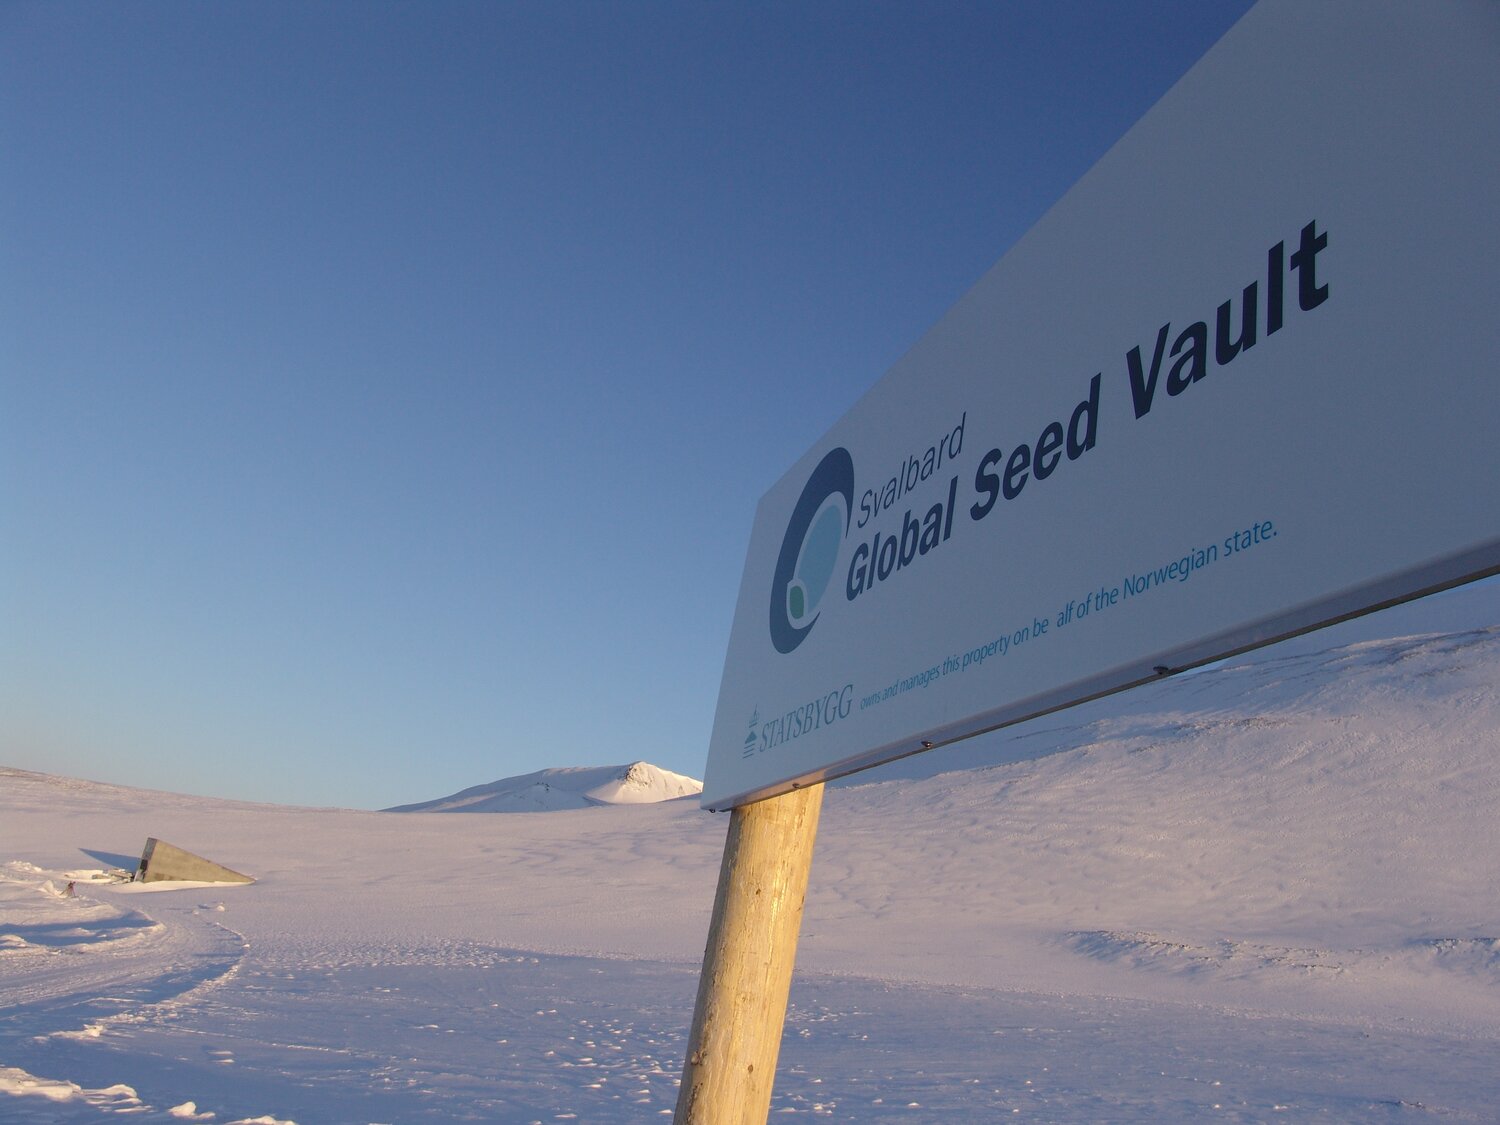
<point x="570" y="787"/>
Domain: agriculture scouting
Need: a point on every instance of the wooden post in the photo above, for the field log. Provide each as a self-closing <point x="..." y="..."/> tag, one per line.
<point x="747" y="966"/>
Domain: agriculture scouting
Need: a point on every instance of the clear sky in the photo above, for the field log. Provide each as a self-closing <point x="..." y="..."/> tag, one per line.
<point x="386" y="389"/>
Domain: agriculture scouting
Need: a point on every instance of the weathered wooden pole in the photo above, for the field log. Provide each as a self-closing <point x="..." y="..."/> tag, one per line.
<point x="747" y="965"/>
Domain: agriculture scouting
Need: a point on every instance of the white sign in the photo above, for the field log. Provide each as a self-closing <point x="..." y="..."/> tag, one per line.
<point x="1241" y="381"/>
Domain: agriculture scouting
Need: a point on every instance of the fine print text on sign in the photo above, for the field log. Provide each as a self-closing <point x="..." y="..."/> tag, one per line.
<point x="1239" y="382"/>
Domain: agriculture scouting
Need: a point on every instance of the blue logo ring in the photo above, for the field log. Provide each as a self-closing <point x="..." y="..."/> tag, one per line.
<point x="809" y="551"/>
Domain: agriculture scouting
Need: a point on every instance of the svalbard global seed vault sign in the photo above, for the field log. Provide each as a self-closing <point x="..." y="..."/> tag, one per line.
<point x="1239" y="382"/>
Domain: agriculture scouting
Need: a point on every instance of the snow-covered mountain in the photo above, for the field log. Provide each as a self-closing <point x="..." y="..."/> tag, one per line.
<point x="574" y="787"/>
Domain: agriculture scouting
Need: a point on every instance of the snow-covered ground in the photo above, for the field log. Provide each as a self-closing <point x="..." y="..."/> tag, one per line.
<point x="1267" y="891"/>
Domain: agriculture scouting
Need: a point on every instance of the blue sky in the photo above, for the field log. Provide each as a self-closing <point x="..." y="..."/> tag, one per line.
<point x="387" y="389"/>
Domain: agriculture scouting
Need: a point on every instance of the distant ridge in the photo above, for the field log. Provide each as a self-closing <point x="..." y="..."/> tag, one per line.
<point x="573" y="787"/>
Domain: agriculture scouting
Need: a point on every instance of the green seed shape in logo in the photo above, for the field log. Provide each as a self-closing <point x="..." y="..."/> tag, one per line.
<point x="794" y="602"/>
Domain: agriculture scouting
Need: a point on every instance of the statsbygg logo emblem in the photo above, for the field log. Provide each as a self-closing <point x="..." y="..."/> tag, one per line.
<point x="810" y="550"/>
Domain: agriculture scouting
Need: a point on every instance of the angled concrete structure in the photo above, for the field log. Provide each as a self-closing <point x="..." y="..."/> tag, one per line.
<point x="162" y="862"/>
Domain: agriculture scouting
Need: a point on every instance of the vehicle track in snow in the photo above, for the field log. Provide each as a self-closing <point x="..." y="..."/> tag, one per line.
<point x="72" y="966"/>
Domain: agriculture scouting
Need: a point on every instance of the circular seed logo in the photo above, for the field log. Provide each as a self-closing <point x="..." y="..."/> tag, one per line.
<point x="810" y="550"/>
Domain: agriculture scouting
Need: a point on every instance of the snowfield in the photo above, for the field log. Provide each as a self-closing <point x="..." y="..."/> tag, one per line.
<point x="1269" y="891"/>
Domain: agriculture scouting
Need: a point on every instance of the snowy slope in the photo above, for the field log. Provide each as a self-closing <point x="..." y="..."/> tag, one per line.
<point x="577" y="787"/>
<point x="1270" y="890"/>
